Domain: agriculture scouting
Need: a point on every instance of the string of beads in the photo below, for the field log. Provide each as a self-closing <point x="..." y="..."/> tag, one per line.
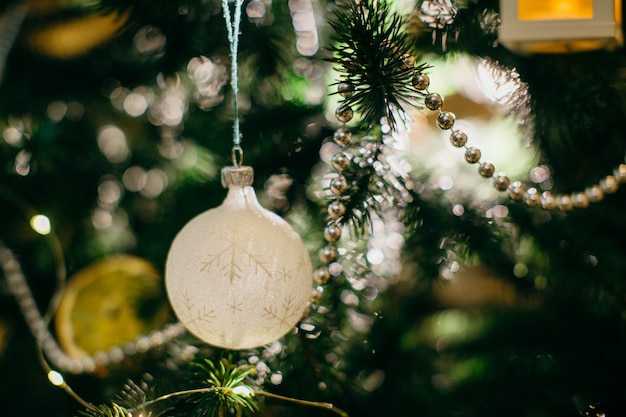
<point x="18" y="286"/>
<point x="518" y="191"/>
<point x="337" y="186"/>
<point x="445" y="120"/>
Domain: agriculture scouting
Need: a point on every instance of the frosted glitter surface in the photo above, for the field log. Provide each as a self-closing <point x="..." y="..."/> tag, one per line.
<point x="238" y="276"/>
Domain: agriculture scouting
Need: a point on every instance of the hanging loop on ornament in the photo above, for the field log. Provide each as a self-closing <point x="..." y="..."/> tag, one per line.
<point x="237" y="155"/>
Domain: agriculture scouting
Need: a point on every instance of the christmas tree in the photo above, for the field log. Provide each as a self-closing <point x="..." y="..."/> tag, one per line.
<point x="455" y="189"/>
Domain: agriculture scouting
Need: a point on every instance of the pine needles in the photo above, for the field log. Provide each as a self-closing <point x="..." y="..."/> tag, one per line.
<point x="225" y="389"/>
<point x="232" y="390"/>
<point x="372" y="53"/>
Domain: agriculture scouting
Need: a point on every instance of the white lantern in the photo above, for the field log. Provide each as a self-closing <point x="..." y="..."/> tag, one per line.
<point x="238" y="276"/>
<point x="560" y="26"/>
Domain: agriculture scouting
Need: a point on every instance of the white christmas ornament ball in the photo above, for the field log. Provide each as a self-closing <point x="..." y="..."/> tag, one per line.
<point x="238" y="276"/>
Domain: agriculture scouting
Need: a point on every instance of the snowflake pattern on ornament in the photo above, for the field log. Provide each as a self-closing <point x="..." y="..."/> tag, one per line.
<point x="246" y="272"/>
<point x="234" y="307"/>
<point x="235" y="250"/>
<point x="282" y="315"/>
<point x="196" y="317"/>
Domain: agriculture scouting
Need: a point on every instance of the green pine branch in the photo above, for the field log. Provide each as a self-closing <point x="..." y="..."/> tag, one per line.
<point x="225" y="390"/>
<point x="232" y="392"/>
<point x="372" y="52"/>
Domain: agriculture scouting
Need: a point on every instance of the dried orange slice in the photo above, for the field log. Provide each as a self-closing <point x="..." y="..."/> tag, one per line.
<point x="110" y="302"/>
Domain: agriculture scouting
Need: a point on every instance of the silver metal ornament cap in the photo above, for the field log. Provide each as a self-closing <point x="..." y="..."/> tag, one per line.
<point x="238" y="176"/>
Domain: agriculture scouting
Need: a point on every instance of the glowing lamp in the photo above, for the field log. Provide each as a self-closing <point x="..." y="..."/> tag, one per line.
<point x="560" y="26"/>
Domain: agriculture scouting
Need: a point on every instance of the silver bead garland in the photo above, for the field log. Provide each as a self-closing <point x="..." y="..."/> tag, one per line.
<point x="392" y="185"/>
<point x="517" y="190"/>
<point x="338" y="186"/>
<point x="445" y="120"/>
<point x="38" y="325"/>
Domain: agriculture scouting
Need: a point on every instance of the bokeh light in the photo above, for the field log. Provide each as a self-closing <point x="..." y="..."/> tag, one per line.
<point x="305" y="26"/>
<point x="112" y="143"/>
<point x="41" y="224"/>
